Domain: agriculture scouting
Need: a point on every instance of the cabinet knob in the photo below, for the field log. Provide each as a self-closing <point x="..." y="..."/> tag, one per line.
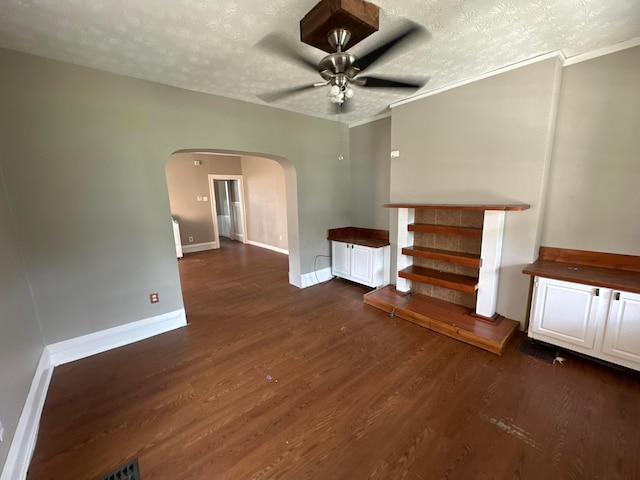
<point x="617" y="296"/>
<point x="597" y="292"/>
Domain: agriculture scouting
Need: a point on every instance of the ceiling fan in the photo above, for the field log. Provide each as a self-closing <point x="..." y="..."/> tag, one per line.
<point x="340" y="69"/>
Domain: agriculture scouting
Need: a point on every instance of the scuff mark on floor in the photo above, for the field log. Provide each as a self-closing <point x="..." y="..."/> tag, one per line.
<point x="514" y="430"/>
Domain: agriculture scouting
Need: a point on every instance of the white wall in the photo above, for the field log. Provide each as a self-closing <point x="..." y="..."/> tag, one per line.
<point x="265" y="202"/>
<point x="370" y="174"/>
<point x="594" y="185"/>
<point x="21" y="343"/>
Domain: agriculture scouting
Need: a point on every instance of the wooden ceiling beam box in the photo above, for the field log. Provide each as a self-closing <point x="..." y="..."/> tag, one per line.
<point x="360" y="18"/>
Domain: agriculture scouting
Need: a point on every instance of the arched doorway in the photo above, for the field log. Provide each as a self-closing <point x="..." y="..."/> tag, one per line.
<point x="191" y="169"/>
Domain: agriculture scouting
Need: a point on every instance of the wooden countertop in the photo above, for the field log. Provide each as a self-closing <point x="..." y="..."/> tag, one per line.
<point x="367" y="237"/>
<point x="607" y="270"/>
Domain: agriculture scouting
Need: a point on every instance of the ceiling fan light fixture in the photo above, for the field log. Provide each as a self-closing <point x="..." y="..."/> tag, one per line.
<point x="340" y="91"/>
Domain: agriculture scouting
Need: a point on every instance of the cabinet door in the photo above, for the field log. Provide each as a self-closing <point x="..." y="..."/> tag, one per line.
<point x="362" y="264"/>
<point x="565" y="313"/>
<point x="622" y="331"/>
<point x="340" y="262"/>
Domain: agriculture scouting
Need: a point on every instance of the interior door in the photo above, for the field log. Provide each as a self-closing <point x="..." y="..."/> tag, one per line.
<point x="237" y="221"/>
<point x="223" y="208"/>
<point x="227" y="207"/>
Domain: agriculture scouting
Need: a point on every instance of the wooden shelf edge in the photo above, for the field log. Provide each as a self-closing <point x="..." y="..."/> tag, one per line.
<point x="447" y="206"/>
<point x="453" y="281"/>
<point x="457" y="258"/>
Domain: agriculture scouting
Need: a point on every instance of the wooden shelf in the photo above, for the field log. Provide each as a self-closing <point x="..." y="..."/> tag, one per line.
<point x="445" y="230"/>
<point x="448" y="206"/>
<point x="454" y="281"/>
<point x="446" y="318"/>
<point x="458" y="258"/>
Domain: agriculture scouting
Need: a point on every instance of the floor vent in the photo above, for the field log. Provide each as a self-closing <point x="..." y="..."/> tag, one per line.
<point x="129" y="471"/>
<point x="539" y="350"/>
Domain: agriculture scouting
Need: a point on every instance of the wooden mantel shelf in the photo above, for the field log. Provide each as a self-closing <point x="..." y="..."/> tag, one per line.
<point x="435" y="206"/>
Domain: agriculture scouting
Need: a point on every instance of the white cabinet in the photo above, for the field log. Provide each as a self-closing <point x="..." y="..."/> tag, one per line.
<point x="600" y="322"/>
<point x="366" y="265"/>
<point x="176" y="238"/>
<point x="621" y="338"/>
<point x="566" y="312"/>
<point x="341" y="259"/>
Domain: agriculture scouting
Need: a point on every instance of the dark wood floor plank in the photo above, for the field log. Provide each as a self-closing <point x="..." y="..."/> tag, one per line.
<point x="271" y="382"/>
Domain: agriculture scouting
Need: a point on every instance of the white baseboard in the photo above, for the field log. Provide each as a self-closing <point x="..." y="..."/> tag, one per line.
<point x="295" y="280"/>
<point x="314" y="278"/>
<point x="24" y="439"/>
<point x="268" y="247"/>
<point x="87" y="345"/>
<point x="198" y="247"/>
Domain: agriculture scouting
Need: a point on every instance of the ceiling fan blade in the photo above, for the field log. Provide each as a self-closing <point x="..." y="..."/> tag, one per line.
<point x="368" y="59"/>
<point x="378" y="82"/>
<point x="285" y="92"/>
<point x="285" y="49"/>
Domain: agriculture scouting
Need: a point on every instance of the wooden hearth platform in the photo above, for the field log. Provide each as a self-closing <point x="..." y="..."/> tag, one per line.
<point x="447" y="318"/>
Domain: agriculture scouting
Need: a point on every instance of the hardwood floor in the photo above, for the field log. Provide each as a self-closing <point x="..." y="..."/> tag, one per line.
<point x="268" y="381"/>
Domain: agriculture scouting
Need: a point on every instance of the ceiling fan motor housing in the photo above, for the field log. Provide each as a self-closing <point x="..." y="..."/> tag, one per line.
<point x="339" y="62"/>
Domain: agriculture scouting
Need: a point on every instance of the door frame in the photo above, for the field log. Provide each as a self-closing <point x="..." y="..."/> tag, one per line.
<point x="214" y="214"/>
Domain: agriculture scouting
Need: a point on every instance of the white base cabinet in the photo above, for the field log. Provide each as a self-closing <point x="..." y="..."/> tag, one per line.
<point x="176" y="238"/>
<point x="600" y="322"/>
<point x="366" y="265"/>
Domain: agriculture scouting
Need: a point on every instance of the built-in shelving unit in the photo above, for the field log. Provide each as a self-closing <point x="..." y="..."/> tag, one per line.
<point x="450" y="255"/>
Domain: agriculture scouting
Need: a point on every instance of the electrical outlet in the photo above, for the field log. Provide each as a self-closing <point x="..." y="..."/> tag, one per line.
<point x="1" y="432"/>
<point x="190" y="239"/>
<point x="154" y="297"/>
<point x="395" y="153"/>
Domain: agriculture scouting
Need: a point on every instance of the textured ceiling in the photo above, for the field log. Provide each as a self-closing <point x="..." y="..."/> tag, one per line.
<point x="210" y="46"/>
